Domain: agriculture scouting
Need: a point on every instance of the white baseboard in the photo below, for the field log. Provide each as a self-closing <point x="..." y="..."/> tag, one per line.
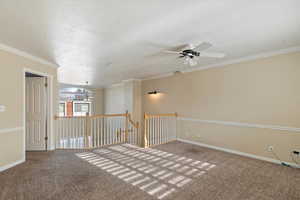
<point x="237" y="152"/>
<point x="5" y="167"/>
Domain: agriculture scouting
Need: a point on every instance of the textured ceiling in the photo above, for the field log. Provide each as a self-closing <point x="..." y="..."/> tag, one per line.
<point x="107" y="41"/>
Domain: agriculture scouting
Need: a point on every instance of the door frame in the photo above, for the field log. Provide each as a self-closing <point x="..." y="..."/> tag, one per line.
<point x="50" y="131"/>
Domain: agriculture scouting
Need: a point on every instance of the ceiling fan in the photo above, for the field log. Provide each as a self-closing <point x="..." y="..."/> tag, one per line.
<point x="190" y="53"/>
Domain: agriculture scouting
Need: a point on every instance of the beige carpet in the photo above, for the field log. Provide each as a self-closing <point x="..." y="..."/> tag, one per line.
<point x="171" y="171"/>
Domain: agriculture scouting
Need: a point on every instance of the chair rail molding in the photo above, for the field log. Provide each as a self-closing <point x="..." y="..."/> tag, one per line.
<point x="8" y="130"/>
<point x="242" y="124"/>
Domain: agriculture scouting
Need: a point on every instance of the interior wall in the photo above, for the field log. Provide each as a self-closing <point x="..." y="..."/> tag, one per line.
<point x="98" y="101"/>
<point x="137" y="102"/>
<point x="123" y="97"/>
<point x="264" y="92"/>
<point x="12" y="96"/>
<point x="114" y="101"/>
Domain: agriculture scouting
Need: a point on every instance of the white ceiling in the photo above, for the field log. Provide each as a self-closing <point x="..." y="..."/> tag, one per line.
<point x="107" y="41"/>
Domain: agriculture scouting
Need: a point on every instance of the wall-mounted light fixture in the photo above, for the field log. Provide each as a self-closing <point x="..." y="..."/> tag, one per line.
<point x="153" y="92"/>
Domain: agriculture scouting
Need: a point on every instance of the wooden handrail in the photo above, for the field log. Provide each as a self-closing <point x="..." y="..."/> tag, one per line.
<point x="126" y="126"/>
<point x="65" y="117"/>
<point x="135" y="125"/>
<point x="109" y="115"/>
<point x="94" y="129"/>
<point x="160" y="115"/>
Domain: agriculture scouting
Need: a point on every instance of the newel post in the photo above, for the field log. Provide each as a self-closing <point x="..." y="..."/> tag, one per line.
<point x="87" y="130"/>
<point x="126" y="126"/>
<point x="145" y="142"/>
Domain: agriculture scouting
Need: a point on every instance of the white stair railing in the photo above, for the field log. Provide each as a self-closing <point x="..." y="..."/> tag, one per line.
<point x="159" y="129"/>
<point x="95" y="131"/>
<point x="70" y="132"/>
<point x="134" y="136"/>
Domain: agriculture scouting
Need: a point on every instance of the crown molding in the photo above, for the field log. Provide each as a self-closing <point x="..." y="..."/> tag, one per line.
<point x="114" y="85"/>
<point x="121" y="83"/>
<point x="158" y="76"/>
<point x="26" y="55"/>
<point x="130" y="80"/>
<point x="232" y="61"/>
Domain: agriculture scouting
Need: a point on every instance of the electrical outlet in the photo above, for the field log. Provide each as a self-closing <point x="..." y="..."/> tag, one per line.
<point x="2" y="108"/>
<point x="270" y="148"/>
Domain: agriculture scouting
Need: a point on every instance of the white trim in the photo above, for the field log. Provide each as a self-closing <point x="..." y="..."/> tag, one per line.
<point x="233" y="61"/>
<point x="8" y="130"/>
<point x="65" y="105"/>
<point x="51" y="128"/>
<point x="26" y="55"/>
<point x="24" y="113"/>
<point x="37" y="72"/>
<point x="50" y="145"/>
<point x="5" y="167"/>
<point x="158" y="76"/>
<point x="121" y="83"/>
<point x="115" y="85"/>
<point x="81" y="102"/>
<point x="237" y="152"/>
<point x="132" y="79"/>
<point x="241" y="124"/>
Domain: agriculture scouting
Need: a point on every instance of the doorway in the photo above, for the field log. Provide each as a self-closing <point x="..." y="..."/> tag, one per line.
<point x="36" y="112"/>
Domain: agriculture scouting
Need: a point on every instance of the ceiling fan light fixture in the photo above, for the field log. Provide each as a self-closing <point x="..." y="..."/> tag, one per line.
<point x="192" y="62"/>
<point x="189" y="52"/>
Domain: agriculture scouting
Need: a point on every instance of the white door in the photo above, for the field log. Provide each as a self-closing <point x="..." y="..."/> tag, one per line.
<point x="36" y="113"/>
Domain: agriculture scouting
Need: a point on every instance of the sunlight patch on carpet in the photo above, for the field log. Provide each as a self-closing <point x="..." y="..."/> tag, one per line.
<point x="156" y="172"/>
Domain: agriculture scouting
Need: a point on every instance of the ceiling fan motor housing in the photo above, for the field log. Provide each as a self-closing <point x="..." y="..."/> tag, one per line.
<point x="191" y="53"/>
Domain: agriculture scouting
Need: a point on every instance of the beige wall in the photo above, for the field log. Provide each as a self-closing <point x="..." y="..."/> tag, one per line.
<point x="264" y="91"/>
<point x="12" y="96"/>
<point x="137" y="102"/>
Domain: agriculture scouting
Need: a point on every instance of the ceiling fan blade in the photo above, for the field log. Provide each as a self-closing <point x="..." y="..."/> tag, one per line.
<point x="168" y="47"/>
<point x="179" y="47"/>
<point x="172" y="52"/>
<point x="203" y="46"/>
<point x="156" y="45"/>
<point x="212" y="54"/>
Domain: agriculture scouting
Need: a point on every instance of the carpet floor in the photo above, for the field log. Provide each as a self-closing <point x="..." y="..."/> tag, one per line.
<point x="171" y="171"/>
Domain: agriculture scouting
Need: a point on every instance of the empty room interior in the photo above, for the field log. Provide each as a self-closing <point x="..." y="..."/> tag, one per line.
<point x="150" y="100"/>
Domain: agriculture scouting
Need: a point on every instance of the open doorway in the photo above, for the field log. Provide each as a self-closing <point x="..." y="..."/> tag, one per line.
<point x="36" y="112"/>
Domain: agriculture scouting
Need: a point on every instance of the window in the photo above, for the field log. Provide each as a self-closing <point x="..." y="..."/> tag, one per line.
<point x="62" y="109"/>
<point x="81" y="108"/>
